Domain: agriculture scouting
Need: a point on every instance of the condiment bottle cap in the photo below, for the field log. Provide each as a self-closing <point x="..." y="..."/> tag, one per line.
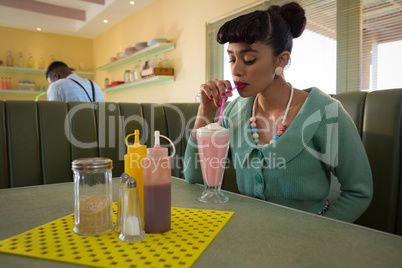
<point x="136" y="147"/>
<point x="157" y="151"/>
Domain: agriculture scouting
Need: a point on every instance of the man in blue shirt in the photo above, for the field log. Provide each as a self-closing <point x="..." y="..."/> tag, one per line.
<point x="67" y="86"/>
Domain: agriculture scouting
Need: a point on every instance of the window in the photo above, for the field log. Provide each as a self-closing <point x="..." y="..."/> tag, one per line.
<point x="388" y="73"/>
<point x="313" y="62"/>
<point x="348" y="45"/>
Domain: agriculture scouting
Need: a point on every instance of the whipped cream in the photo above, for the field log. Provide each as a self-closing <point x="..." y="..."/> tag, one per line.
<point x="213" y="129"/>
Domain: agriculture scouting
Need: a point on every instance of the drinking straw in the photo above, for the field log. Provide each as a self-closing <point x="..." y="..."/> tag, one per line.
<point x="223" y="104"/>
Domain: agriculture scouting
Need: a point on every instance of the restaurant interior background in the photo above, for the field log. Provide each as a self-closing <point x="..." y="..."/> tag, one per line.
<point x="344" y="47"/>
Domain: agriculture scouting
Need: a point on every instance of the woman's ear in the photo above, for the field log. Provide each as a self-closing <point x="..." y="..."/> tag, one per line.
<point x="283" y="59"/>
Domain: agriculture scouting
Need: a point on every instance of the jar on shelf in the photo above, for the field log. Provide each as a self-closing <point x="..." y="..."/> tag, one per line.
<point x="153" y="63"/>
<point x="128" y="76"/>
<point x="31" y="62"/>
<point x="41" y="62"/>
<point x="21" y="60"/>
<point x="166" y="63"/>
<point x="10" y="60"/>
<point x="137" y="71"/>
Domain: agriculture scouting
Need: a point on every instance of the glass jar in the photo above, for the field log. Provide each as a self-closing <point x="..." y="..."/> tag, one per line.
<point x="128" y="76"/>
<point x="10" y="60"/>
<point x="93" y="195"/>
<point x="137" y="71"/>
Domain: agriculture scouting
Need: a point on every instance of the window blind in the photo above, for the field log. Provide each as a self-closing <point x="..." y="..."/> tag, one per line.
<point x="348" y="45"/>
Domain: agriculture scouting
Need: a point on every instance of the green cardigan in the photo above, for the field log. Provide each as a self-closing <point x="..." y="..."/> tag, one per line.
<point x="296" y="170"/>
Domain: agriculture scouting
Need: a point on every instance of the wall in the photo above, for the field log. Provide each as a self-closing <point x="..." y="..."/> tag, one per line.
<point x="181" y="22"/>
<point x="72" y="50"/>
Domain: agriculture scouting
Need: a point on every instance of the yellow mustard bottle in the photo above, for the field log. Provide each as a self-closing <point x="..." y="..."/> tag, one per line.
<point x="133" y="165"/>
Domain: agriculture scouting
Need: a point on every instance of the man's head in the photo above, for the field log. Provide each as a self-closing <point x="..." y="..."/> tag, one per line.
<point x="56" y="71"/>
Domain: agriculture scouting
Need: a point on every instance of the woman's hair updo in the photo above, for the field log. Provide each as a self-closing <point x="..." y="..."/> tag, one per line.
<point x="275" y="27"/>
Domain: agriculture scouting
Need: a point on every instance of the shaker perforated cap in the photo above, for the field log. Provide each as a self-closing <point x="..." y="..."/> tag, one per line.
<point x="93" y="163"/>
<point x="131" y="183"/>
<point x="124" y="177"/>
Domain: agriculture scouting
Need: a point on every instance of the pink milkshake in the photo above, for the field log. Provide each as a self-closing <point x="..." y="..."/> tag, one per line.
<point x="213" y="144"/>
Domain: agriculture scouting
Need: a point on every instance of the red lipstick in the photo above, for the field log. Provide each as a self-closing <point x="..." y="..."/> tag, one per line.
<point x="240" y="85"/>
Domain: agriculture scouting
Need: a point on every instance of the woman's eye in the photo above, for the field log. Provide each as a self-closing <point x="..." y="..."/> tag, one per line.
<point x="249" y="62"/>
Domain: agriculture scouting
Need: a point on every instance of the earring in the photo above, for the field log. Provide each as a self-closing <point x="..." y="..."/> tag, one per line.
<point x="278" y="71"/>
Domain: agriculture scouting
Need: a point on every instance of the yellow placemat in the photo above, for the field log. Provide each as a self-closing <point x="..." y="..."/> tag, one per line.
<point x="192" y="231"/>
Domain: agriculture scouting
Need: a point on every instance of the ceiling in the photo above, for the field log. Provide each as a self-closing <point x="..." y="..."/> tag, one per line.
<point x="83" y="18"/>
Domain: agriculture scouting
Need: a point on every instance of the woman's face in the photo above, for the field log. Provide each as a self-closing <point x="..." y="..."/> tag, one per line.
<point x="253" y="65"/>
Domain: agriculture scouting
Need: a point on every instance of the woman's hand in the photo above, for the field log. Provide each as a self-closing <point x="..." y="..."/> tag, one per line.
<point x="212" y="94"/>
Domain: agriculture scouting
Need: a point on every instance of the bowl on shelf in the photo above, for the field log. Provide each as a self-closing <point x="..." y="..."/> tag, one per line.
<point x="156" y="40"/>
<point x="140" y="45"/>
<point x="130" y="50"/>
<point x="116" y="83"/>
<point x="120" y="55"/>
<point x="112" y="59"/>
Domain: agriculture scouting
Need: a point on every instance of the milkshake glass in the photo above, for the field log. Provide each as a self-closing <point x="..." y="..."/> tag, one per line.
<point x="213" y="145"/>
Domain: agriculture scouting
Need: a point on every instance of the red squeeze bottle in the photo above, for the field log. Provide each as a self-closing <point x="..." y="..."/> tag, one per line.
<point x="157" y="188"/>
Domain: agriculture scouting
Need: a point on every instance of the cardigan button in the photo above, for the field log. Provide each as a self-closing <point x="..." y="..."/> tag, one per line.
<point x="259" y="155"/>
<point x="258" y="178"/>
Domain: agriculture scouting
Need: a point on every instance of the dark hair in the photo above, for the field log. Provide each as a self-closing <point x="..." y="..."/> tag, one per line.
<point x="275" y="27"/>
<point x="53" y="66"/>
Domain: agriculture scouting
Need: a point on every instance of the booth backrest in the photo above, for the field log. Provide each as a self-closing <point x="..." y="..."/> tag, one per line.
<point x="382" y="139"/>
<point x="378" y="117"/>
<point x="39" y="140"/>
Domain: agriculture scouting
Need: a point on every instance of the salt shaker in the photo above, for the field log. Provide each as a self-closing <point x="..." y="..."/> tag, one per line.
<point x="131" y="225"/>
<point x="93" y="195"/>
<point x="123" y="180"/>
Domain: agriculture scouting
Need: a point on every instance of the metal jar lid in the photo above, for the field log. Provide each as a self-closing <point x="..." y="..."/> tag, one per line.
<point x="92" y="164"/>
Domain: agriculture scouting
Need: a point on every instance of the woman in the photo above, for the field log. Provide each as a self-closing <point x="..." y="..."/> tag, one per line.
<point x="285" y="142"/>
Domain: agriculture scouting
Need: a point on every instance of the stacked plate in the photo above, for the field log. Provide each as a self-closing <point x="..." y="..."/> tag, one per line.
<point x="140" y="45"/>
<point x="130" y="50"/>
<point x="156" y="40"/>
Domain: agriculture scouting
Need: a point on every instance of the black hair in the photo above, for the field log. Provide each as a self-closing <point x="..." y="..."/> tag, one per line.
<point x="275" y="27"/>
<point x="53" y="66"/>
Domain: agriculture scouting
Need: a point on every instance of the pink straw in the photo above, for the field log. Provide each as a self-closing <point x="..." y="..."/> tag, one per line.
<point x="223" y="104"/>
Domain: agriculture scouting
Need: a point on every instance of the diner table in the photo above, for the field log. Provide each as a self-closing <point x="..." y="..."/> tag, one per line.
<point x="259" y="234"/>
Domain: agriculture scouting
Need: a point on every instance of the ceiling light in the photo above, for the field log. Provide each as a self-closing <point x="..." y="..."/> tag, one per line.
<point x="38" y="29"/>
<point x="132" y="2"/>
<point x="105" y="21"/>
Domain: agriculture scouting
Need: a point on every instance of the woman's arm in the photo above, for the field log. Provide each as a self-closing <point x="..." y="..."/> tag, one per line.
<point x="352" y="170"/>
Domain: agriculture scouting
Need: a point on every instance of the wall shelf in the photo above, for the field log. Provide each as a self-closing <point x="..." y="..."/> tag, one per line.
<point x="152" y="81"/>
<point x="145" y="53"/>
<point x="38" y="71"/>
<point x="20" y="92"/>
